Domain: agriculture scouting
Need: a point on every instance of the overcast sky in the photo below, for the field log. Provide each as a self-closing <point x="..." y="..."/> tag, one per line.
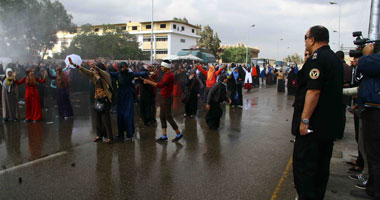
<point x="231" y="19"/>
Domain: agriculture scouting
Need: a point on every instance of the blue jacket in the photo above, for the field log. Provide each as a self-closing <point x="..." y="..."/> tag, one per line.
<point x="369" y="90"/>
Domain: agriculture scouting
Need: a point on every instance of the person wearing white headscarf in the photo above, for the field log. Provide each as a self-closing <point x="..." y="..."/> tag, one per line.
<point x="8" y="96"/>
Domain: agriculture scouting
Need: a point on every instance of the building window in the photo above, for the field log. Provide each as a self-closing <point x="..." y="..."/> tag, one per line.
<point x="162" y="25"/>
<point x="134" y="28"/>
<point x="192" y="30"/>
<point x="123" y="28"/>
<point x="162" y="39"/>
<point x="183" y="28"/>
<point x="146" y="39"/>
<point x="183" y="40"/>
<point x="149" y="26"/>
<point x="162" y="52"/>
<point x="64" y="44"/>
<point x="174" y="26"/>
<point x="96" y="29"/>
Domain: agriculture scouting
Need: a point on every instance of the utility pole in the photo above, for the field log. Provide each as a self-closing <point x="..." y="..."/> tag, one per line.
<point x="374" y="21"/>
<point x="151" y="39"/>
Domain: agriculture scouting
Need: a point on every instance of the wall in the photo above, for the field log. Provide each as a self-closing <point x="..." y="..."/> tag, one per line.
<point x="176" y="45"/>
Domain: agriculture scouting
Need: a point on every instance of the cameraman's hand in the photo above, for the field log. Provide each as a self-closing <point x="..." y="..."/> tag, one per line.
<point x="369" y="49"/>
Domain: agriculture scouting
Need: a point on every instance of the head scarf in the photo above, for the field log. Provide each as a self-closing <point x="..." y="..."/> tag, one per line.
<point x="210" y="72"/>
<point x="235" y="74"/>
<point x="8" y="70"/>
<point x="7" y="84"/>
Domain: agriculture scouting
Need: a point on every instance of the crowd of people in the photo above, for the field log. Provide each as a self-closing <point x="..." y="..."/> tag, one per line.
<point x="115" y="87"/>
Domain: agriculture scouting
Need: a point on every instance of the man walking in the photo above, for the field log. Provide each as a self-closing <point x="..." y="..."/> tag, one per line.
<point x="317" y="117"/>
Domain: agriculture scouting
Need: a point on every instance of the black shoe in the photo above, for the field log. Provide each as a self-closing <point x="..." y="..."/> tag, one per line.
<point x="27" y="120"/>
<point x="360" y="194"/>
<point x="162" y="139"/>
<point x="177" y="138"/>
<point x="355" y="169"/>
<point x="352" y="163"/>
<point x="119" y="137"/>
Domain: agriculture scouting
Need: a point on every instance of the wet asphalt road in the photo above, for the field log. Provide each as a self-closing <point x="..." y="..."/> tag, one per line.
<point x="243" y="160"/>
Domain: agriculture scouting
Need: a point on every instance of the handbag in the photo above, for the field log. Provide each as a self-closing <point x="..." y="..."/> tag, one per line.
<point x="186" y="94"/>
<point x="99" y="105"/>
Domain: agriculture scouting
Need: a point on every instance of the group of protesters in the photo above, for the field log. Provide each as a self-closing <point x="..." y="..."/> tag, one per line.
<point x="115" y="87"/>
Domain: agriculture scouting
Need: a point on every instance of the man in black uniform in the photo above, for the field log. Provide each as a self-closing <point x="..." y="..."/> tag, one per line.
<point x="317" y="117"/>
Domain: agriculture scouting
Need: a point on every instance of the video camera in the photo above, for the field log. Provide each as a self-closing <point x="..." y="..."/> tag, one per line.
<point x="361" y="42"/>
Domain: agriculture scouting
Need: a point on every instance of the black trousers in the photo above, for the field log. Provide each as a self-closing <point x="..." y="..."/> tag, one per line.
<point x="148" y="110"/>
<point x="103" y="122"/>
<point x="213" y="115"/>
<point x="371" y="131"/>
<point x="311" y="166"/>
<point x="359" y="160"/>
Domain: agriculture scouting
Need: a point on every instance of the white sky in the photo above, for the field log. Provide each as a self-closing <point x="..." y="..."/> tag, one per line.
<point x="231" y="19"/>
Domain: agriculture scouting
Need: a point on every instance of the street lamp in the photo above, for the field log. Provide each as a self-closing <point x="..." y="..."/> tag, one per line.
<point x="246" y="49"/>
<point x="278" y="42"/>
<point x="336" y="3"/>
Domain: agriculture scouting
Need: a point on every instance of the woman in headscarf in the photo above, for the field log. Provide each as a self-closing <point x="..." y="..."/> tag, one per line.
<point x="235" y="85"/>
<point x="193" y="86"/>
<point x="126" y="99"/>
<point x="102" y="99"/>
<point x="32" y="97"/>
<point x="8" y="96"/>
<point x="62" y="80"/>
<point x="211" y="77"/>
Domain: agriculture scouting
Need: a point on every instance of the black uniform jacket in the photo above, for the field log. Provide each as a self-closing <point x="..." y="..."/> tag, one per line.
<point x="323" y="71"/>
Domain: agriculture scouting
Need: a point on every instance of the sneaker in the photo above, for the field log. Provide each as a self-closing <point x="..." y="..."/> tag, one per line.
<point x="178" y="137"/>
<point x="360" y="194"/>
<point x="361" y="186"/>
<point x="129" y="139"/>
<point x="358" y="177"/>
<point x="162" y="139"/>
<point x="355" y="169"/>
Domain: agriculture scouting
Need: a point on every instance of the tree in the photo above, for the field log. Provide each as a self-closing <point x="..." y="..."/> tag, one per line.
<point x="235" y="54"/>
<point x="29" y="27"/>
<point x="184" y="20"/>
<point x="296" y="58"/>
<point x="209" y="40"/>
<point x="113" y="43"/>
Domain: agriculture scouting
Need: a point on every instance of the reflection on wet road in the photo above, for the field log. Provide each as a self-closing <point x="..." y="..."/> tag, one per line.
<point x="244" y="159"/>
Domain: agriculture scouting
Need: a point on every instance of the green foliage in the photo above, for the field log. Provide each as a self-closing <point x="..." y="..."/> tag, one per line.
<point x="29" y="27"/>
<point x="296" y="58"/>
<point x="235" y="54"/>
<point x="113" y="43"/>
<point x="209" y="40"/>
<point x="184" y="20"/>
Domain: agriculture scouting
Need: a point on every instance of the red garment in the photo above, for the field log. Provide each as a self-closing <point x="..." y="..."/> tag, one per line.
<point x="166" y="84"/>
<point x="210" y="83"/>
<point x="177" y="92"/>
<point x="254" y="71"/>
<point x="32" y="100"/>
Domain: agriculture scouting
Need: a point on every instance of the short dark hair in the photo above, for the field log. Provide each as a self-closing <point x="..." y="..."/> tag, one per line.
<point x="340" y="55"/>
<point x="319" y="33"/>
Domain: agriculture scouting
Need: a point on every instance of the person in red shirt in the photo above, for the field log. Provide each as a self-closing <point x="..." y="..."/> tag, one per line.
<point x="211" y="75"/>
<point x="166" y="84"/>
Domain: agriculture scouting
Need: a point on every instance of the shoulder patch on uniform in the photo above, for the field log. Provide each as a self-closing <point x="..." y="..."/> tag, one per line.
<point x="315" y="55"/>
<point x="314" y="73"/>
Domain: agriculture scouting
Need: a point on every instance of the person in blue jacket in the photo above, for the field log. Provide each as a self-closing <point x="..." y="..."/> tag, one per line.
<point x="369" y="98"/>
<point x="126" y="99"/>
